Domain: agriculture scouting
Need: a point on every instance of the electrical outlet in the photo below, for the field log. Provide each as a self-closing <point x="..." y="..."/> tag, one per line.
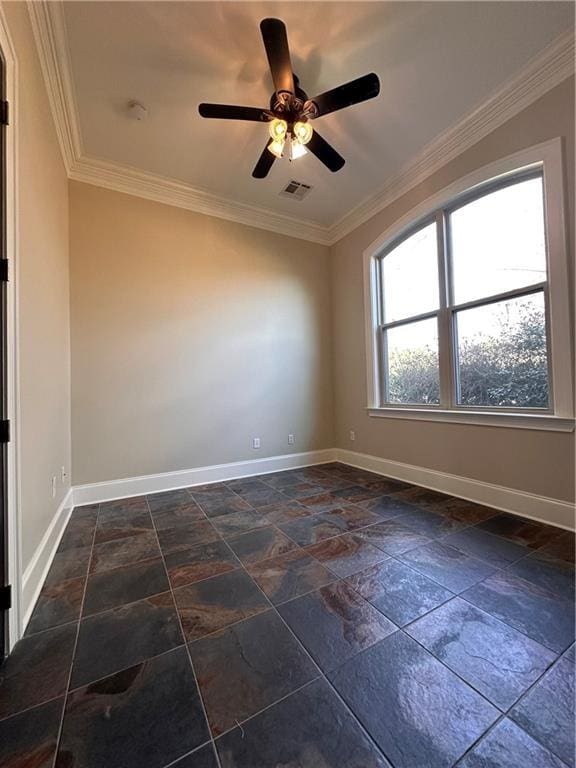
<point x="290" y="439"/>
<point x="255" y="442"/>
<point x="63" y="475"/>
<point x="352" y="435"/>
<point x="54" y="487"/>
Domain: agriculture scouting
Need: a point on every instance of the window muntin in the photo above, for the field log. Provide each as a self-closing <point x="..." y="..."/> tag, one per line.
<point x="481" y="304"/>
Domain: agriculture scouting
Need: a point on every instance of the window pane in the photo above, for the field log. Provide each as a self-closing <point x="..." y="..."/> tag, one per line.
<point x="412" y="363"/>
<point x="498" y="242"/>
<point x="410" y="276"/>
<point x="502" y="354"/>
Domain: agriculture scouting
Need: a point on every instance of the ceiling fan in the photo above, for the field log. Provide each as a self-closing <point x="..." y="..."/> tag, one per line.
<point x="291" y="110"/>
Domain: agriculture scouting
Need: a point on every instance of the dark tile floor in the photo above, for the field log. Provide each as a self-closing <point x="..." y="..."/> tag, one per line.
<point x="317" y="618"/>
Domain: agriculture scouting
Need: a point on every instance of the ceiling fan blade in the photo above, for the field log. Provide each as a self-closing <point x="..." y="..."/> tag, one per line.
<point x="325" y="152"/>
<point x="265" y="162"/>
<point x="361" y="89"/>
<point x="276" y="44"/>
<point x="229" y="112"/>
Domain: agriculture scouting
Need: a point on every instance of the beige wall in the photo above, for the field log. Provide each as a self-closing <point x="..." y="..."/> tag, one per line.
<point x="191" y="335"/>
<point x="43" y="295"/>
<point x="531" y="461"/>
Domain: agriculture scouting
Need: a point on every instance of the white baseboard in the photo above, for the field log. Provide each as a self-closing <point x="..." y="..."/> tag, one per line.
<point x="541" y="508"/>
<point x="169" y="481"/>
<point x="37" y="569"/>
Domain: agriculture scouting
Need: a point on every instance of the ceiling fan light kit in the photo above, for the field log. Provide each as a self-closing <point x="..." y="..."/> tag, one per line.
<point x="291" y="110"/>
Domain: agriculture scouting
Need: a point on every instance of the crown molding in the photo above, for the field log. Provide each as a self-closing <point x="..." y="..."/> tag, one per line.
<point x="550" y="67"/>
<point x="150" y="186"/>
<point x="49" y="28"/>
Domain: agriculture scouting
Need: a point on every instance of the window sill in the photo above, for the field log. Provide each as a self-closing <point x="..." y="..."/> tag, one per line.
<point x="537" y="421"/>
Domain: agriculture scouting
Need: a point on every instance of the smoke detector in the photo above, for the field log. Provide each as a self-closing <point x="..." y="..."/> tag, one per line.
<point x="137" y="111"/>
<point x="297" y="190"/>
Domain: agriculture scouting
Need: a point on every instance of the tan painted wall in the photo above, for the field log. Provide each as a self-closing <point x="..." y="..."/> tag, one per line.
<point x="535" y="462"/>
<point x="43" y="295"/>
<point x="191" y="335"/>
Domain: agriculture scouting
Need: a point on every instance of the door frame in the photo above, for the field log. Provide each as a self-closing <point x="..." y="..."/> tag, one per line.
<point x="14" y="552"/>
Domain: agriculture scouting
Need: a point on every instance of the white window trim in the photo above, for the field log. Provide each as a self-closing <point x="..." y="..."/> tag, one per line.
<point x="547" y="156"/>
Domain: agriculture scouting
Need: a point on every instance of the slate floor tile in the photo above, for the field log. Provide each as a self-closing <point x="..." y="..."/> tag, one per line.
<point x="302" y="490"/>
<point x="357" y="493"/>
<point x="450" y="567"/>
<point x="132" y="549"/>
<point x="247" y="667"/>
<point x="189" y="565"/>
<point x="79" y="531"/>
<point x="169" y="501"/>
<point x="122" y="637"/>
<point x="261" y="544"/>
<point x="281" y="480"/>
<point x="200" y="758"/>
<point x="387" y="507"/>
<point x="186" y="536"/>
<point x="467" y="511"/>
<point x="122" y="523"/>
<point x="215" y="603"/>
<point x="130" y="504"/>
<point x="29" y="740"/>
<point x="423" y="497"/>
<point x="311" y="529"/>
<point x="431" y="716"/>
<point x="393" y="537"/>
<point x="238" y="522"/>
<point x="500" y="662"/>
<point x="57" y="604"/>
<point x="561" y="548"/>
<point x="346" y="554"/>
<point x="147" y="715"/>
<point x="507" y="746"/>
<point x="322" y="502"/>
<point x="521" y="531"/>
<point x="220" y="506"/>
<point x="399" y="592"/>
<point x="486" y="546"/>
<point x="351" y="517"/>
<point x="547" y="711"/>
<point x="311" y="729"/>
<point x="553" y="574"/>
<point x="287" y="576"/>
<point x="70" y="564"/>
<point x="431" y="524"/>
<point x="283" y="513"/>
<point x="37" y="669"/>
<point x="263" y="497"/>
<point x="335" y="623"/>
<point x="126" y="584"/>
<point x="179" y="517"/>
<point x="531" y="609"/>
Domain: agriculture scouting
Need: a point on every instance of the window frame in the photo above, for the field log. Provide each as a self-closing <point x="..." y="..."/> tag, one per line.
<point x="543" y="160"/>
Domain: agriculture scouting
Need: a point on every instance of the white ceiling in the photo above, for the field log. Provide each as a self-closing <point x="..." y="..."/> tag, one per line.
<point x="436" y="62"/>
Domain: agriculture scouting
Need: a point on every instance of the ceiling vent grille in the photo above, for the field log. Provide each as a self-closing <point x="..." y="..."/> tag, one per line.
<point x="297" y="190"/>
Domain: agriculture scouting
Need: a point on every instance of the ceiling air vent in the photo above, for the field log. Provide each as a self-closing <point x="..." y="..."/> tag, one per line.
<point x="297" y="190"/>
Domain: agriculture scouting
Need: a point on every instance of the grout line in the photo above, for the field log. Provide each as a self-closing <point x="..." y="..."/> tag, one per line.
<point x="200" y="697"/>
<point x="72" y="658"/>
